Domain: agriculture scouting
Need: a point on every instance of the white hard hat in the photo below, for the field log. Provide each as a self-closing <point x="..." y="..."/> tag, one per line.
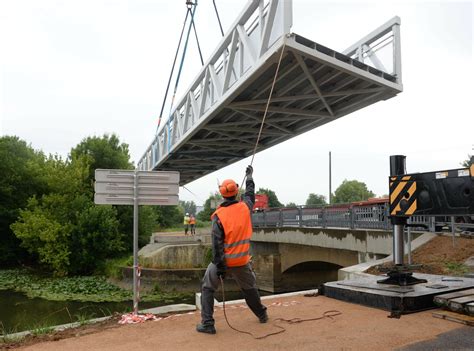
<point x="187" y="214"/>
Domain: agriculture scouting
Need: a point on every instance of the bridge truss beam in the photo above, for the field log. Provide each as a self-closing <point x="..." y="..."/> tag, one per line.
<point x="217" y="121"/>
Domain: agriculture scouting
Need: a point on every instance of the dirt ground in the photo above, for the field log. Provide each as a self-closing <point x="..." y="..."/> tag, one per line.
<point x="438" y="256"/>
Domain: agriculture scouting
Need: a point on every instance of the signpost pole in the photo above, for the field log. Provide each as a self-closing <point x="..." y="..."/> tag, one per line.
<point x="133" y="187"/>
<point x="135" y="243"/>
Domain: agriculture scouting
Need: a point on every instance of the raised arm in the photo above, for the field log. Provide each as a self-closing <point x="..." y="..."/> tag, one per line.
<point x="249" y="196"/>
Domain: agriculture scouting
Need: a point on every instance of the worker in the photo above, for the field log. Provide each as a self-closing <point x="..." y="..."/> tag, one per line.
<point x="231" y="232"/>
<point x="192" y="223"/>
<point x="186" y="223"/>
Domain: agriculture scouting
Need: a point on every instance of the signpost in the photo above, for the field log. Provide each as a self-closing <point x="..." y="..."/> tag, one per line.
<point x="134" y="187"/>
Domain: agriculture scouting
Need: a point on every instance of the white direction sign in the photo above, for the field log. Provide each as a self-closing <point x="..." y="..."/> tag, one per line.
<point x="144" y="177"/>
<point x="116" y="199"/>
<point x="117" y="187"/>
<point x="128" y="189"/>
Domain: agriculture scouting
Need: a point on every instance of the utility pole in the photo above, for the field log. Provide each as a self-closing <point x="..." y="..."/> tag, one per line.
<point x="330" y="190"/>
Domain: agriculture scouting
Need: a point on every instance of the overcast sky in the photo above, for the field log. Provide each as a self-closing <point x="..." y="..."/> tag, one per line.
<point x="72" y="69"/>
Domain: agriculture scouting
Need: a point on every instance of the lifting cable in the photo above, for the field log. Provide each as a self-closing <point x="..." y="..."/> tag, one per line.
<point x="266" y="109"/>
<point x="327" y="314"/>
<point x="268" y="102"/>
<point x="189" y="5"/>
<point x="196" y="35"/>
<point x="172" y="70"/>
<point x="218" y="18"/>
<point x="197" y="197"/>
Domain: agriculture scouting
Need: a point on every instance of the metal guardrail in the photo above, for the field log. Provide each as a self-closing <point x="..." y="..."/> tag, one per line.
<point x="352" y="217"/>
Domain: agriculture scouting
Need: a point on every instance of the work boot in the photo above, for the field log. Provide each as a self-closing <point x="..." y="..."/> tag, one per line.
<point x="263" y="318"/>
<point x="208" y="329"/>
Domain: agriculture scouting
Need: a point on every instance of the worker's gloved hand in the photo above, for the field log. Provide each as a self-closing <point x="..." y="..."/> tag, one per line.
<point x="249" y="172"/>
<point x="221" y="273"/>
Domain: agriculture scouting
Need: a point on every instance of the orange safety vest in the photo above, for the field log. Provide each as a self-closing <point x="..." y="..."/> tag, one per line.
<point x="237" y="226"/>
<point x="192" y="220"/>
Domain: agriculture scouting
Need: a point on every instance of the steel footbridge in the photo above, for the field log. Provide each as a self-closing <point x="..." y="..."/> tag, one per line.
<point x="217" y="120"/>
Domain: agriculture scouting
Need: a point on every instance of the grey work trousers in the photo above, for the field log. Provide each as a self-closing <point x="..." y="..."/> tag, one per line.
<point x="245" y="278"/>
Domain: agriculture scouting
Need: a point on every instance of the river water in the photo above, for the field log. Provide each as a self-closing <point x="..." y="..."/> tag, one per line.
<point x="18" y="312"/>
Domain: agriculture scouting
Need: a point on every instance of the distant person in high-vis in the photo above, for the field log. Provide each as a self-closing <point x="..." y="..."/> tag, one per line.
<point x="186" y="223"/>
<point x="192" y="224"/>
<point x="231" y="232"/>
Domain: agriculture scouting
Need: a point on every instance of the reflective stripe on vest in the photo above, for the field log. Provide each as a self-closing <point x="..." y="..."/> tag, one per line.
<point x="237" y="224"/>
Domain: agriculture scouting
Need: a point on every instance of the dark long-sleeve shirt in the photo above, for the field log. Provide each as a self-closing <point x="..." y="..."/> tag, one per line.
<point x="218" y="233"/>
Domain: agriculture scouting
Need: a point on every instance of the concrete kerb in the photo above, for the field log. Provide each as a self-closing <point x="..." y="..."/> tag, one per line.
<point x="269" y="297"/>
<point x="181" y="307"/>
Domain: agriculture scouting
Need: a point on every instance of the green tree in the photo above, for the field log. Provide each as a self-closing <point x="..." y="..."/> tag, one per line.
<point x="291" y="204"/>
<point x="272" y="198"/>
<point x="63" y="229"/>
<point x="209" y="206"/>
<point x="316" y="200"/>
<point x="467" y="163"/>
<point x="188" y="206"/>
<point x="21" y="178"/>
<point x="169" y="216"/>
<point x="350" y="191"/>
<point x="104" y="152"/>
<point x="108" y="152"/>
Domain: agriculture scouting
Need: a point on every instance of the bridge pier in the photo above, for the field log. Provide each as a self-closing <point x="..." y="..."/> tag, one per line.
<point x="266" y="260"/>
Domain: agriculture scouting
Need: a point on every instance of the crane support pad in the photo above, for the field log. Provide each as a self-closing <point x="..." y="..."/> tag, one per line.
<point x="443" y="193"/>
<point x="397" y="299"/>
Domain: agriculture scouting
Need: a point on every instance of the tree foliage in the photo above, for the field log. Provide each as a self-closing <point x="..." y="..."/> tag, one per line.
<point x="63" y="229"/>
<point x="188" y="207"/>
<point x="291" y="204"/>
<point x="21" y="178"/>
<point x="107" y="152"/>
<point x="48" y="211"/>
<point x="350" y="191"/>
<point x="209" y="206"/>
<point x="103" y="152"/>
<point x="169" y="216"/>
<point x="467" y="163"/>
<point x="272" y="198"/>
<point x="316" y="200"/>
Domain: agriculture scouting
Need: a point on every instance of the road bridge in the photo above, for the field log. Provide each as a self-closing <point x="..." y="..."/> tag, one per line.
<point x="217" y="120"/>
<point x="289" y="257"/>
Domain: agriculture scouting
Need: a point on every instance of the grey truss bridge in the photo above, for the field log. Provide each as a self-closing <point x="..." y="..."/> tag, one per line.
<point x="217" y="121"/>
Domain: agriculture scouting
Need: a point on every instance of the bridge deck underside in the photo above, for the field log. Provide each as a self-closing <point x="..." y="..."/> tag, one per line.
<point x="315" y="85"/>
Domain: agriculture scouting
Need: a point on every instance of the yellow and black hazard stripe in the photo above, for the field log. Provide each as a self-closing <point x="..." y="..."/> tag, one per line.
<point x="403" y="196"/>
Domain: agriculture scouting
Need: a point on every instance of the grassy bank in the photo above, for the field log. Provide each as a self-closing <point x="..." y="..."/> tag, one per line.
<point x="81" y="288"/>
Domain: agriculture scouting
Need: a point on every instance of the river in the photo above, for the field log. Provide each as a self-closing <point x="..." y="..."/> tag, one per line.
<point x="18" y="312"/>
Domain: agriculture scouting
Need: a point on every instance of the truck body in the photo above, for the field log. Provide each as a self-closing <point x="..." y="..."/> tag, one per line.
<point x="261" y="202"/>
